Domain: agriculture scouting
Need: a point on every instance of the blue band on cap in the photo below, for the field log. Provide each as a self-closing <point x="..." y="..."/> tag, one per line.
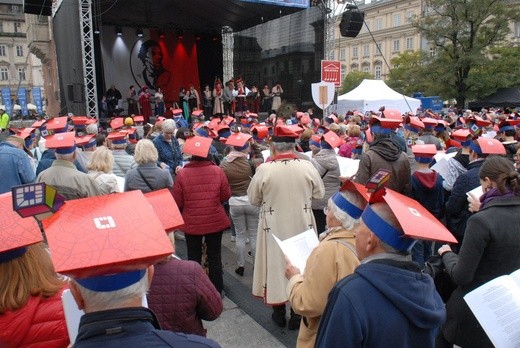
<point x="411" y="129"/>
<point x="201" y="132"/>
<point x="475" y="147"/>
<point x="28" y="142"/>
<point x="7" y="256"/>
<point x="225" y="134"/>
<point x="119" y="141"/>
<point x="90" y="144"/>
<point x="315" y="143"/>
<point x="325" y="145"/>
<point x="386" y="232"/>
<point x="380" y="130"/>
<point x="423" y="159"/>
<point x="439" y="128"/>
<point x="66" y="150"/>
<point x="112" y="282"/>
<point x="428" y="128"/>
<point x="506" y="128"/>
<point x="343" y="204"/>
<point x="241" y="148"/>
<point x="466" y="143"/>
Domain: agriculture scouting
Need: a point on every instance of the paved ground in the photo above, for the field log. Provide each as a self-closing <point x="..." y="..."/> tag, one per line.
<point x="246" y="320"/>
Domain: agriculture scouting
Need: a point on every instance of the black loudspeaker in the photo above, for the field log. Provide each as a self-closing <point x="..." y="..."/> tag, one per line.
<point x="351" y="23"/>
<point x="38" y="7"/>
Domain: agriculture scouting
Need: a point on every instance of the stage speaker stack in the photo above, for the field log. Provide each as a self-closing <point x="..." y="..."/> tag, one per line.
<point x="351" y="23"/>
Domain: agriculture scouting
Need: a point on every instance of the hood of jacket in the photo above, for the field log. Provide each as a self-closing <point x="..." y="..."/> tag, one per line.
<point x="387" y="149"/>
<point x="327" y="159"/>
<point x="427" y="179"/>
<point x="411" y="292"/>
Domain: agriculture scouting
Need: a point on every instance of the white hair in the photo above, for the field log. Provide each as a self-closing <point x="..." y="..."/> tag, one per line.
<point x="283" y="147"/>
<point x="99" y="301"/>
<point x="66" y="157"/>
<point x="168" y="125"/>
<point x="347" y="221"/>
<point x="92" y="129"/>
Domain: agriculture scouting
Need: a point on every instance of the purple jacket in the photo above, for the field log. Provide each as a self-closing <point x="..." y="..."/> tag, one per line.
<point x="181" y="295"/>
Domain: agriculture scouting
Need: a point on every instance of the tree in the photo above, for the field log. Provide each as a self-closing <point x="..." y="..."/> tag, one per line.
<point x="463" y="32"/>
<point x="352" y="80"/>
<point x="409" y="73"/>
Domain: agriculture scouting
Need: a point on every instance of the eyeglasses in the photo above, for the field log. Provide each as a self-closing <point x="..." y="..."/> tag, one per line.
<point x="326" y="210"/>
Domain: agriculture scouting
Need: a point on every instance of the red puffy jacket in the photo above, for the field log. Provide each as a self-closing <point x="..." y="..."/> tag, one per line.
<point x="199" y="189"/>
<point x="38" y="324"/>
<point x="181" y="295"/>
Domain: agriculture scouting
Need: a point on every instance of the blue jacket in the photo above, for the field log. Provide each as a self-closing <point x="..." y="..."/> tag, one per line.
<point x="16" y="167"/>
<point x="48" y="156"/>
<point x="169" y="153"/>
<point x="131" y="327"/>
<point x="457" y="213"/>
<point x="383" y="304"/>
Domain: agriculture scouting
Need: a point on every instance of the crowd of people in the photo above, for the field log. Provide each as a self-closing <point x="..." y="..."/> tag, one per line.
<point x="400" y="242"/>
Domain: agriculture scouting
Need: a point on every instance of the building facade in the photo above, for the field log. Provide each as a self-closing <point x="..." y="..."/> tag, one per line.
<point x="389" y="24"/>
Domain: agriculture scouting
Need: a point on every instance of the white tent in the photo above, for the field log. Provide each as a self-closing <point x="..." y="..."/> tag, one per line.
<point x="371" y="95"/>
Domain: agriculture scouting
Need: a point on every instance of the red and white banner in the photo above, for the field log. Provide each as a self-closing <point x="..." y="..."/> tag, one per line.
<point x="331" y="72"/>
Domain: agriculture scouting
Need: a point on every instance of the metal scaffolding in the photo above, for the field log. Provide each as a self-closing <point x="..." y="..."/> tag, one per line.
<point x="89" y="63"/>
<point x="330" y="9"/>
<point x="228" y="43"/>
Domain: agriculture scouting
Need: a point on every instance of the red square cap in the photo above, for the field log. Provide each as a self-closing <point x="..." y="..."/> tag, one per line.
<point x="238" y="139"/>
<point x="214" y="123"/>
<point x="197" y="146"/>
<point x="483" y="123"/>
<point x="491" y="146"/>
<point x="305" y="119"/>
<point x="38" y="123"/>
<point x="345" y="205"/>
<point x="177" y="112"/>
<point x="105" y="235"/>
<point x="86" y="140"/>
<point x="415" y="123"/>
<point x="64" y="143"/>
<point x="15" y="231"/>
<point x="116" y="123"/>
<point x="197" y="113"/>
<point x="260" y="131"/>
<point x="138" y="119"/>
<point x="461" y="134"/>
<point x="424" y="151"/>
<point x="166" y="209"/>
<point x="285" y="134"/>
<point x="57" y="124"/>
<point x="228" y="119"/>
<point x="393" y="114"/>
<point x="415" y="222"/>
<point x="25" y="132"/>
<point x="117" y="137"/>
<point x="429" y="122"/>
<point x="386" y="123"/>
<point x="332" y="139"/>
<point x="79" y="120"/>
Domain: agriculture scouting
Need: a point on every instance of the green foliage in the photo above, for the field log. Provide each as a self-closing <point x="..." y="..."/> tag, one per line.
<point x="463" y="32"/>
<point x="409" y="75"/>
<point x="352" y="80"/>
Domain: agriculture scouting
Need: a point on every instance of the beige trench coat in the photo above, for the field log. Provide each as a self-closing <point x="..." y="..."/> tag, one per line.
<point x="284" y="190"/>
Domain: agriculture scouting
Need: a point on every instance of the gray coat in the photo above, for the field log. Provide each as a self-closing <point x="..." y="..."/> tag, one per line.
<point x="327" y="166"/>
<point x="123" y="162"/>
<point x="157" y="177"/>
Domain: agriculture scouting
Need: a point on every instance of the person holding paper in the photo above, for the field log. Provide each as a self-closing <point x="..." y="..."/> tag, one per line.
<point x="332" y="260"/>
<point x="489" y="250"/>
<point x="387" y="301"/>
<point x="284" y="189"/>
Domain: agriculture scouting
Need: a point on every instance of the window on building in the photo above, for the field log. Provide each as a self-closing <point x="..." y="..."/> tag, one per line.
<point x="379" y="49"/>
<point x="354" y="67"/>
<point x="19" y="51"/>
<point x="377" y="72"/>
<point x="4" y="76"/>
<point x="409" y="16"/>
<point x="3" y="50"/>
<point x="354" y="52"/>
<point x="343" y="72"/>
<point x="17" y="27"/>
<point x="1" y="27"/>
<point x="409" y="43"/>
<point x="15" y="9"/>
<point x="379" y="24"/>
<point x="431" y="51"/>
<point x="21" y="74"/>
<point x="396" y="20"/>
<point x="366" y="50"/>
<point x="273" y="70"/>
<point x="366" y="68"/>
<point x="517" y="29"/>
<point x="342" y="54"/>
<point x="395" y="46"/>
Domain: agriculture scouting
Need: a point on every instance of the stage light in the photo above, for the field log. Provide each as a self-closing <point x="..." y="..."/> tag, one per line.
<point x="180" y="34"/>
<point x="96" y="31"/>
<point x="39" y="200"/>
<point x="139" y="32"/>
<point x="119" y="31"/>
<point x="197" y="37"/>
<point x="161" y="34"/>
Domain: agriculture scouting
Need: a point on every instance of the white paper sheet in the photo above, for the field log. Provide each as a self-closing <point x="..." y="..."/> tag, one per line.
<point x="299" y="247"/>
<point x="477" y="192"/>
<point x="348" y="167"/>
<point x="496" y="305"/>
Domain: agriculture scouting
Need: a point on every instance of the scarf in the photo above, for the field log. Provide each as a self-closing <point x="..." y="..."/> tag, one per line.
<point x="495" y="194"/>
<point x="233" y="155"/>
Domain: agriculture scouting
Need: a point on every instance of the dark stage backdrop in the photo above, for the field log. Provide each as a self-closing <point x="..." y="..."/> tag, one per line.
<point x="169" y="62"/>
